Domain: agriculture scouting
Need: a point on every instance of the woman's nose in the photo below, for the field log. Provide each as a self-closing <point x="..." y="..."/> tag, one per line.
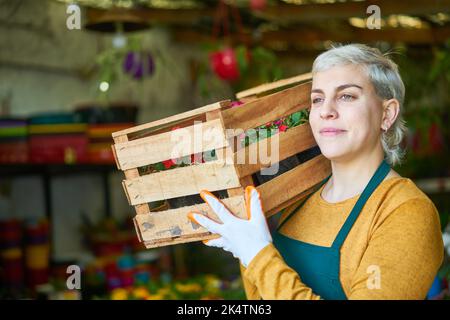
<point x="328" y="110"/>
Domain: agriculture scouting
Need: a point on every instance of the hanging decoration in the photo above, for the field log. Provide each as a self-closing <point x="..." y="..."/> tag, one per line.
<point x="224" y="61"/>
<point x="225" y="65"/>
<point x="138" y="64"/>
<point x="258" y="5"/>
<point x="128" y="59"/>
<point x="231" y="57"/>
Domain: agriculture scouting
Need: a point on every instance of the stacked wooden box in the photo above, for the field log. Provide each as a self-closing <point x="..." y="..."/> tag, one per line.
<point x="153" y="142"/>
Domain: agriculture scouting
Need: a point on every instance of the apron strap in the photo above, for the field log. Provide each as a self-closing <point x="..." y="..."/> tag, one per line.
<point x="374" y="182"/>
<point x="302" y="203"/>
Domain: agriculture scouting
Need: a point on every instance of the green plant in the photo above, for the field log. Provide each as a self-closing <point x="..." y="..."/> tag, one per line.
<point x="280" y="125"/>
<point x="441" y="63"/>
<point x="256" y="66"/>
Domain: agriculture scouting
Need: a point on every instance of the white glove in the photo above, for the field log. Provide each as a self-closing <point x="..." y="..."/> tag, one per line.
<point x="243" y="238"/>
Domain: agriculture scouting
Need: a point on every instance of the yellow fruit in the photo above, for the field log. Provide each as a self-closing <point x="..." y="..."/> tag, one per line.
<point x="119" y="294"/>
<point x="141" y="293"/>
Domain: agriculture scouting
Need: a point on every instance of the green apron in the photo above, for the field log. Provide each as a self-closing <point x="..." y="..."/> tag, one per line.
<point x="318" y="266"/>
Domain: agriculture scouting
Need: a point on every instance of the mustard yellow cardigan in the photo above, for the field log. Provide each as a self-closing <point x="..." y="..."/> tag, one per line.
<point x="393" y="251"/>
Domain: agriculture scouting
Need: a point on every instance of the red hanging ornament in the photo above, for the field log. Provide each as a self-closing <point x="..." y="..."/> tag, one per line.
<point x="258" y="5"/>
<point x="224" y="64"/>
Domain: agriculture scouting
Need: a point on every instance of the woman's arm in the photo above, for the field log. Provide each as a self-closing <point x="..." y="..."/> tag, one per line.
<point x="406" y="248"/>
<point x="274" y="279"/>
<point x="250" y="290"/>
<point x="268" y="263"/>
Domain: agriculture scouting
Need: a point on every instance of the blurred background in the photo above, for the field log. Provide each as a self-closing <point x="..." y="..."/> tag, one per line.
<point x="73" y="72"/>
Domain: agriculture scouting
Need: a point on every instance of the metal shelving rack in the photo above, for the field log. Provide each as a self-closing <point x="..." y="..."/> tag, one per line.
<point x="47" y="171"/>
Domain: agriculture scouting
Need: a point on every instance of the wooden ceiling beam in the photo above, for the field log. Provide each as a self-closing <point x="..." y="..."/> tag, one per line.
<point x="411" y="36"/>
<point x="161" y="16"/>
<point x="309" y="37"/>
<point x="344" y="10"/>
<point x="292" y="13"/>
<point x="175" y="17"/>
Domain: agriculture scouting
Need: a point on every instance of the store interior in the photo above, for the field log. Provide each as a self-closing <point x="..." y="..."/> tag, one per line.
<point x="74" y="72"/>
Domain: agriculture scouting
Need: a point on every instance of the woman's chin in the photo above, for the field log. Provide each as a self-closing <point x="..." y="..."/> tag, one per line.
<point x="332" y="154"/>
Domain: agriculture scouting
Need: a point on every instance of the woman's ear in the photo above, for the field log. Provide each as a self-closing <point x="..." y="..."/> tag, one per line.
<point x="391" y="109"/>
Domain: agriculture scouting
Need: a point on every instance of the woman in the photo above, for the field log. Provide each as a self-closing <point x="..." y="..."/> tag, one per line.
<point x="367" y="233"/>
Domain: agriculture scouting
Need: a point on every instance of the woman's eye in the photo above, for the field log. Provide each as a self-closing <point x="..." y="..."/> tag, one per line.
<point x="316" y="100"/>
<point x="347" y="97"/>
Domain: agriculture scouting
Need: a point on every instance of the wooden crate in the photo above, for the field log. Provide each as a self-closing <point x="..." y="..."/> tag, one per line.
<point x="151" y="143"/>
<point x="267" y="88"/>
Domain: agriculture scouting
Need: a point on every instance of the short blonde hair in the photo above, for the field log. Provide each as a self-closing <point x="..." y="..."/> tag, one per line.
<point x="384" y="75"/>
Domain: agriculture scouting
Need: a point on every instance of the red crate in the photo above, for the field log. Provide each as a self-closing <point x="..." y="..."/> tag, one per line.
<point x="59" y="149"/>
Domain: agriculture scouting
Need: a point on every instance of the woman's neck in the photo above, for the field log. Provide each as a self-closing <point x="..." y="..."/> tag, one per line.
<point x="350" y="177"/>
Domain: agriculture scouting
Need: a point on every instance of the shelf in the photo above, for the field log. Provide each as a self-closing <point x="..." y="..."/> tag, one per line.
<point x="47" y="171"/>
<point x="53" y="169"/>
<point x="434" y="185"/>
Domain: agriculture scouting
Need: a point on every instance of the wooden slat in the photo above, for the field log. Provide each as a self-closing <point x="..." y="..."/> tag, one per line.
<point x="183" y="181"/>
<point x="208" y="235"/>
<point x="167" y="127"/>
<point x="271" y="205"/>
<point x="248" y="99"/>
<point x="174" y="118"/>
<point x="290" y="142"/>
<point x="138" y="232"/>
<point x="153" y="149"/>
<point x="268" y="108"/>
<point x="174" y="223"/>
<point x="245" y="181"/>
<point x="288" y="203"/>
<point x="293" y="182"/>
<point x="276" y="195"/>
<point x="179" y="240"/>
<point x="266" y="87"/>
<point x="213" y="115"/>
<point x="131" y="174"/>
<point x="113" y="150"/>
<point x="229" y="151"/>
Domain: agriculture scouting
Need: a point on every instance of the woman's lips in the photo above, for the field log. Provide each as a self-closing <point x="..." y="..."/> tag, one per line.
<point x="331" y="132"/>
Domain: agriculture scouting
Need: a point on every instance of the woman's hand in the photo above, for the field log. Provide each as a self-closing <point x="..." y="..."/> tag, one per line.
<point x="243" y="238"/>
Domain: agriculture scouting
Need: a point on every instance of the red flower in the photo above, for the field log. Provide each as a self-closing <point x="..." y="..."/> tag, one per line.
<point x="278" y="122"/>
<point x="168" y="163"/>
<point x="236" y="103"/>
<point x="283" y="128"/>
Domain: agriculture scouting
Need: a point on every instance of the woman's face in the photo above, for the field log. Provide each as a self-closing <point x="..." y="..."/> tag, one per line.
<point x="346" y="114"/>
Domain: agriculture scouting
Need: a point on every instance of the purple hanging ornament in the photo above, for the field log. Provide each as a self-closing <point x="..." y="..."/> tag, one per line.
<point x="139" y="64"/>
